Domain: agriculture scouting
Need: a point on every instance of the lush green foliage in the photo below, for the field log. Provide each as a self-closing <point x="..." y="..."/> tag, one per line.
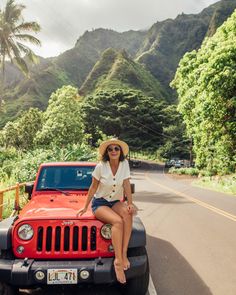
<point x="127" y="114"/>
<point x="175" y="141"/>
<point x="205" y="82"/>
<point x="62" y="122"/>
<point x="22" y="166"/>
<point x="21" y="133"/>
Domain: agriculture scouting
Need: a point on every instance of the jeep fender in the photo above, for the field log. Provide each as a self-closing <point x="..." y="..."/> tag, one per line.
<point x="138" y="235"/>
<point x="5" y="232"/>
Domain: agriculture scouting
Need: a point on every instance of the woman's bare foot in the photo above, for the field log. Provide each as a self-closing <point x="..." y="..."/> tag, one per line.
<point x="126" y="262"/>
<point x="120" y="275"/>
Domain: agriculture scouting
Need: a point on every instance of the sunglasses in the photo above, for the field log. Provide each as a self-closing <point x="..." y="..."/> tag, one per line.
<point x="110" y="149"/>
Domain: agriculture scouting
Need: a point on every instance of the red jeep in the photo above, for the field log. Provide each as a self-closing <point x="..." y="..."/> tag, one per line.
<point x="47" y="244"/>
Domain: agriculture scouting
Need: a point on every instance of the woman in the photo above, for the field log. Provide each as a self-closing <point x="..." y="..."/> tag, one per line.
<point x="109" y="184"/>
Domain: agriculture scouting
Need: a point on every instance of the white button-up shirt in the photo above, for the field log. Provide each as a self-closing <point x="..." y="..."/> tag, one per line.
<point x="111" y="186"/>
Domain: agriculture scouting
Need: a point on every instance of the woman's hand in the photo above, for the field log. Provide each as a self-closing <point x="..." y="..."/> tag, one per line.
<point x="81" y="211"/>
<point x="132" y="209"/>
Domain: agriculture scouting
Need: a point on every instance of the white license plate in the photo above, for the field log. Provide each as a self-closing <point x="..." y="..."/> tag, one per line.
<point x="62" y="276"/>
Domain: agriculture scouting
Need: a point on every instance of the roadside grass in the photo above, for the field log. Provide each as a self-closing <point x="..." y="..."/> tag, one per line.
<point x="225" y="184"/>
<point x="184" y="171"/>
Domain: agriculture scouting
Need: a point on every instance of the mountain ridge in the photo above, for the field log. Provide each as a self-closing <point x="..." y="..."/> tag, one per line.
<point x="158" y="50"/>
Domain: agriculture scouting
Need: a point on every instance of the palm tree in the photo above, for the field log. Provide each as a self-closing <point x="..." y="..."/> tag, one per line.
<point x="13" y="36"/>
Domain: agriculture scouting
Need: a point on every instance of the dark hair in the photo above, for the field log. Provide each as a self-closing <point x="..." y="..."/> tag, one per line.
<point x="105" y="156"/>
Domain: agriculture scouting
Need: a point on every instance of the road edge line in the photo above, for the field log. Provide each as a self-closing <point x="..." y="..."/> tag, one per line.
<point x="194" y="200"/>
<point x="151" y="287"/>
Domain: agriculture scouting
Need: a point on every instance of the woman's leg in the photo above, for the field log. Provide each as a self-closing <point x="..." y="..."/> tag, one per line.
<point x="107" y="215"/>
<point x="121" y="209"/>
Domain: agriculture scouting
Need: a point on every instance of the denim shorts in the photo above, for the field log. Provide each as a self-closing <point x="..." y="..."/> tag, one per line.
<point x="98" y="202"/>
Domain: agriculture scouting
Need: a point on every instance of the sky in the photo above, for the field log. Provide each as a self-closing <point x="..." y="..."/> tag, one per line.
<point x="64" y="21"/>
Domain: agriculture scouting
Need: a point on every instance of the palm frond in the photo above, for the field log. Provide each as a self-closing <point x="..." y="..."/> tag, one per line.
<point x="13" y="12"/>
<point x="28" y="52"/>
<point x="28" y="26"/>
<point x="28" y="38"/>
<point x="32" y="57"/>
<point x="19" y="60"/>
<point x="6" y="48"/>
<point x="13" y="30"/>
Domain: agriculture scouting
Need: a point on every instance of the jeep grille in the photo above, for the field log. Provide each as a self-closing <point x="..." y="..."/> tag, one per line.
<point x="66" y="239"/>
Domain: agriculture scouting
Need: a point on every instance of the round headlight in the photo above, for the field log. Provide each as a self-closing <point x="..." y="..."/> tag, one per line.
<point x="25" y="232"/>
<point x="106" y="231"/>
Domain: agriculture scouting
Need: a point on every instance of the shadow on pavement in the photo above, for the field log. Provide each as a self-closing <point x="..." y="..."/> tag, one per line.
<point x="171" y="273"/>
<point x="159" y="198"/>
<point x="148" y="165"/>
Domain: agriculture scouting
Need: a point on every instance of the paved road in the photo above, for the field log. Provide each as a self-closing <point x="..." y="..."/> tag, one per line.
<point x="191" y="237"/>
<point x="191" y="234"/>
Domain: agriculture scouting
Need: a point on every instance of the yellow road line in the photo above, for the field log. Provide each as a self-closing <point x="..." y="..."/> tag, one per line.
<point x="200" y="203"/>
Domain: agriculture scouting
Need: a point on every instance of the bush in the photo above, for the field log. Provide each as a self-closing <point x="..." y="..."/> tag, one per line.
<point x="185" y="171"/>
<point x="23" y="166"/>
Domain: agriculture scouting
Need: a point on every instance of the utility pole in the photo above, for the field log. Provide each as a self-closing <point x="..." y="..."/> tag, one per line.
<point x="191" y="152"/>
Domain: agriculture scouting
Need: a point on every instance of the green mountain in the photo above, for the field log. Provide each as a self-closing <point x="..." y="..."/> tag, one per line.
<point x="71" y="67"/>
<point x="32" y="92"/>
<point x="166" y="42"/>
<point x="158" y="50"/>
<point x="79" y="61"/>
<point x="116" y="70"/>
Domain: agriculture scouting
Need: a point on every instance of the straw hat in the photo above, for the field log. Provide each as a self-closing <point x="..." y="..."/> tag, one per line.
<point x="103" y="146"/>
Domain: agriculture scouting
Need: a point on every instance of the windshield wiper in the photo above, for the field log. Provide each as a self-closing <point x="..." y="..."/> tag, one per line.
<point x="54" y="189"/>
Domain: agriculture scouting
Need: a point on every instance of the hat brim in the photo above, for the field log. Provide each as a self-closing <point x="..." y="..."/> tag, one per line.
<point x="103" y="146"/>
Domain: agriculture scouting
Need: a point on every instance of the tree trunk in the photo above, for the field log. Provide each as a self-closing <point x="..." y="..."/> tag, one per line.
<point x="2" y="83"/>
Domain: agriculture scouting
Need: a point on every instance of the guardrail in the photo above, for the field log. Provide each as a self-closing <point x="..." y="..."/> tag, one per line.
<point x="16" y="206"/>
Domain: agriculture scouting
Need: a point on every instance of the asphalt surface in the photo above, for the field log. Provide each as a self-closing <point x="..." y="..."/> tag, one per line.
<point x="191" y="237"/>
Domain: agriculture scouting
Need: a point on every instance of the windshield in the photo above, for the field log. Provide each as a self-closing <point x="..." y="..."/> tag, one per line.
<point x="65" y="178"/>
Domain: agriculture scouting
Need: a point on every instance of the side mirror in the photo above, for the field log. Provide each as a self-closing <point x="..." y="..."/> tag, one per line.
<point x="29" y="189"/>
<point x="132" y="188"/>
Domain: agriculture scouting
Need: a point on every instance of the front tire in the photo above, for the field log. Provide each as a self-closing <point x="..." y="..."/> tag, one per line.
<point x="6" y="289"/>
<point x="138" y="285"/>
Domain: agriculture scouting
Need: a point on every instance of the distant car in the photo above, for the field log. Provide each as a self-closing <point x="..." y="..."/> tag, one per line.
<point x="169" y="164"/>
<point x="135" y="163"/>
<point x="179" y="164"/>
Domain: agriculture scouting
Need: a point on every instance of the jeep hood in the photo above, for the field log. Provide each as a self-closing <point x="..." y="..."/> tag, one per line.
<point x="55" y="206"/>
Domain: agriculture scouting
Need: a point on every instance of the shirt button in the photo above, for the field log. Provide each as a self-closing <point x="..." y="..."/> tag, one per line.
<point x="114" y="179"/>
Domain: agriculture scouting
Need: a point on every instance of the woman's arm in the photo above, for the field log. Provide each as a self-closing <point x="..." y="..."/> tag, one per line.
<point x="128" y="194"/>
<point x="91" y="192"/>
<point x="127" y="191"/>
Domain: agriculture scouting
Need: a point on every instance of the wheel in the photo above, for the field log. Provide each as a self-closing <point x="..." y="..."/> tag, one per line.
<point x="138" y="285"/>
<point x="6" y="289"/>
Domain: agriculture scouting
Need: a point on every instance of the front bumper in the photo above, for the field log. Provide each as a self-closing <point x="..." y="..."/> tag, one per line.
<point x="21" y="273"/>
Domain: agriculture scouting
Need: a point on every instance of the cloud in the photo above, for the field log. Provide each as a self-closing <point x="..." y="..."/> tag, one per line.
<point x="63" y="21"/>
